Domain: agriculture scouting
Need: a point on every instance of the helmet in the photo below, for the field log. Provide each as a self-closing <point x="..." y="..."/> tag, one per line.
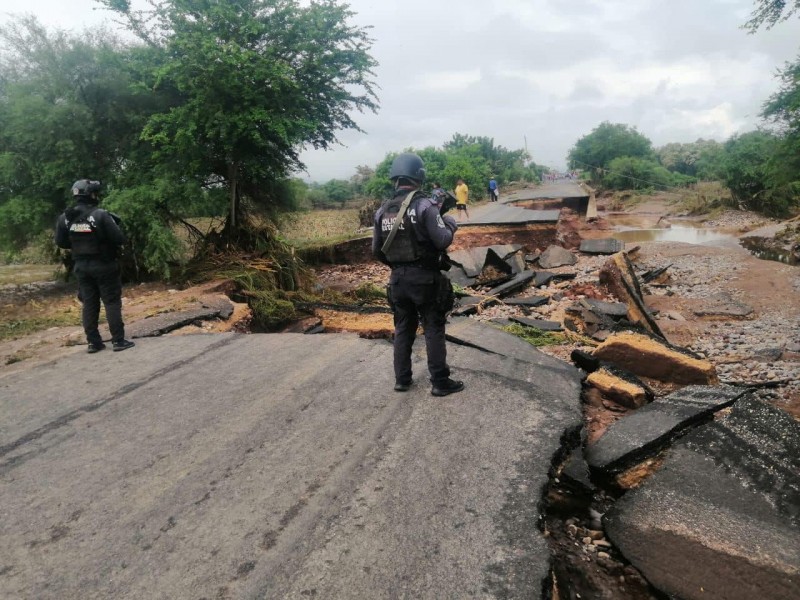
<point x="86" y="187"/>
<point x="408" y="165"/>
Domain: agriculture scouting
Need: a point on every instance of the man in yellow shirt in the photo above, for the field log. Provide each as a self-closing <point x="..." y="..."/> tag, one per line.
<point x="462" y="197"/>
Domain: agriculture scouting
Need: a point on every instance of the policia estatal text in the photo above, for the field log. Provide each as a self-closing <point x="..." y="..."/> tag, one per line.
<point x="411" y="236"/>
<point x="94" y="237"/>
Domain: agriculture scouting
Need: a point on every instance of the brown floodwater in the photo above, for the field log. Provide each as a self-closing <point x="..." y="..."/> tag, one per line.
<point x="676" y="233"/>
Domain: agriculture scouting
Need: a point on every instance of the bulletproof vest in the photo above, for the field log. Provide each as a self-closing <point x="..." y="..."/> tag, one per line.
<point x="82" y="228"/>
<point x="404" y="248"/>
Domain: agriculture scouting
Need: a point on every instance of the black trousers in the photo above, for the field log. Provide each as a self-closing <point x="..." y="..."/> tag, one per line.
<point x="100" y="280"/>
<point x="413" y="298"/>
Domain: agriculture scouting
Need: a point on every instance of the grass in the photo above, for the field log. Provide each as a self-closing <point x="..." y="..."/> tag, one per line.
<point x="703" y="198"/>
<point x="22" y="274"/>
<point x="315" y="227"/>
<point x="536" y="337"/>
<point x="15" y="328"/>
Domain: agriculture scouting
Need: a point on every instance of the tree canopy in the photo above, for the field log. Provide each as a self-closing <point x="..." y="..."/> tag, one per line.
<point x="251" y="82"/>
<point x="595" y="151"/>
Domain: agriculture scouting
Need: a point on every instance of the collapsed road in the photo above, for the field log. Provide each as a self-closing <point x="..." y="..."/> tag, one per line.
<point x="281" y="466"/>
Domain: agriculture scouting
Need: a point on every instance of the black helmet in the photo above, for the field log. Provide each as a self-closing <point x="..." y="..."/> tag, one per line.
<point x="408" y="165"/>
<point x="86" y="187"/>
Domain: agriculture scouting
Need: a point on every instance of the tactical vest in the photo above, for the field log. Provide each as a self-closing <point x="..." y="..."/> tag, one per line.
<point x="83" y="235"/>
<point x="404" y="247"/>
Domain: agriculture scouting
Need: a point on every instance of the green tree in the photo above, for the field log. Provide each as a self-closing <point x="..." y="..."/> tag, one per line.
<point x="251" y="83"/>
<point x="338" y="191"/>
<point x="688" y="159"/>
<point x="363" y="174"/>
<point x="749" y="172"/>
<point x="595" y="151"/>
<point x="783" y="109"/>
<point x="631" y="173"/>
<point x="69" y="109"/>
<point x="771" y="12"/>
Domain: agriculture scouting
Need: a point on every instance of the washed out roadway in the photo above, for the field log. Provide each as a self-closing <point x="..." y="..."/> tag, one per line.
<point x="277" y="466"/>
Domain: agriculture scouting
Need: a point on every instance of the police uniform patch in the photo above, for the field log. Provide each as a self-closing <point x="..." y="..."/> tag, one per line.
<point x="439" y="221"/>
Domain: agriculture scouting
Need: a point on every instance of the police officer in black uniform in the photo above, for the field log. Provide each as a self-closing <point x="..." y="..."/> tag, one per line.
<point x="94" y="237"/>
<point x="411" y="236"/>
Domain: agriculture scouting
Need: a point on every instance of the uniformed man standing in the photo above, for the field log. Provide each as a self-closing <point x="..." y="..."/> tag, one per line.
<point x="411" y="236"/>
<point x="94" y="238"/>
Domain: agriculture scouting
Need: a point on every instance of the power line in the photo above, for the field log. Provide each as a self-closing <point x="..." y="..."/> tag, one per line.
<point x="631" y="177"/>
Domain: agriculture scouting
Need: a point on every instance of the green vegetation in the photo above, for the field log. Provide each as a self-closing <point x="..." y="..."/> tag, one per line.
<point x="15" y="328"/>
<point x="204" y="116"/>
<point x="705" y="197"/>
<point x="536" y="337"/>
<point x="25" y="273"/>
<point x="595" y="151"/>
<point x="473" y="159"/>
<point x="369" y="292"/>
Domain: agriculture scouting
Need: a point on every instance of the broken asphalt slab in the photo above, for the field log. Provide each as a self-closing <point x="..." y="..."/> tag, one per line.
<point x="166" y="322"/>
<point x="723" y="305"/>
<point x="539" y="324"/>
<point x="556" y="256"/>
<point x="615" y="310"/>
<point x="277" y="466"/>
<point x="605" y="246"/>
<point x="469" y="305"/>
<point x="501" y="214"/>
<point x="473" y="260"/>
<point x="519" y="282"/>
<point x="721" y="518"/>
<point x="648" y="430"/>
<point x="469" y="332"/>
<point x="531" y="301"/>
<point x="545" y="277"/>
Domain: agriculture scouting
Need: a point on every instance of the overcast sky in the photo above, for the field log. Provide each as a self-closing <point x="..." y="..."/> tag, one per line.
<point x="548" y="70"/>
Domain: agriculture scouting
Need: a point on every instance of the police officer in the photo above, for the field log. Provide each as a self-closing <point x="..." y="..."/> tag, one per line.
<point x="411" y="237"/>
<point x="94" y="237"/>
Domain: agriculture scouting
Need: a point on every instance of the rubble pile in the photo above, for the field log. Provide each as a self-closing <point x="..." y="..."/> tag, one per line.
<point x="666" y="401"/>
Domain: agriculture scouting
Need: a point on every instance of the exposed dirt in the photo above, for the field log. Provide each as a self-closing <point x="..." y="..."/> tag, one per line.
<point x="60" y="302"/>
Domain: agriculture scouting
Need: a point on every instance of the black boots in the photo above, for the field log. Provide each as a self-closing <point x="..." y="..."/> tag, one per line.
<point x="448" y="386"/>
<point x="122" y="345"/>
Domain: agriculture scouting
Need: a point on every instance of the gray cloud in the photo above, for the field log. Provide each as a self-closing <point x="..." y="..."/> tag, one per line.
<point x="546" y="69"/>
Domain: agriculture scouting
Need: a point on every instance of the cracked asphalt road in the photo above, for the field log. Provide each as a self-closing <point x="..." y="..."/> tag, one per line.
<point x="276" y="466"/>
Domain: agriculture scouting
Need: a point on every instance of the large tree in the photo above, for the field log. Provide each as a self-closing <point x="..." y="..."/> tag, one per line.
<point x="68" y="109"/>
<point x="252" y="83"/>
<point x="607" y="141"/>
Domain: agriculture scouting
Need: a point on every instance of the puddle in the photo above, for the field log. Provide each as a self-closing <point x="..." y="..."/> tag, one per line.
<point x="633" y="229"/>
<point x="760" y="247"/>
<point x="676" y="233"/>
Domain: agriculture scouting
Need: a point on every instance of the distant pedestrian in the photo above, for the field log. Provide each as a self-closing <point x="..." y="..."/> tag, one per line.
<point x="94" y="237"/>
<point x="462" y="198"/>
<point x="493" y="190"/>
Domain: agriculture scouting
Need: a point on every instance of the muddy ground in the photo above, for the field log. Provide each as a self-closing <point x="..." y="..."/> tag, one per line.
<point x="760" y="347"/>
